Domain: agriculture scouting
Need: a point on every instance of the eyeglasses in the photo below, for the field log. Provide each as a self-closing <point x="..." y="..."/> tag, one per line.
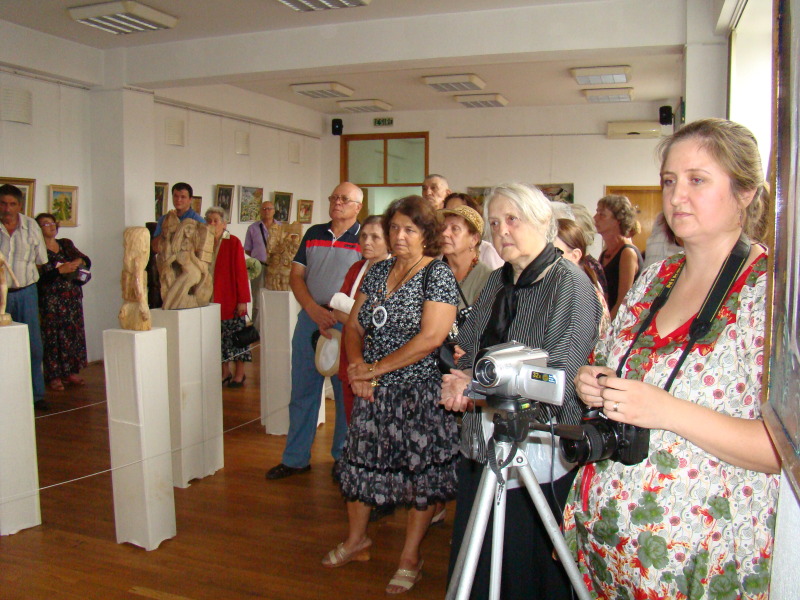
<point x="48" y="225"/>
<point x="342" y="199"/>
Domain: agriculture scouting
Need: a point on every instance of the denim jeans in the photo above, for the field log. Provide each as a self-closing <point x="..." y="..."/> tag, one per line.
<point x="306" y="397"/>
<point x="23" y="306"/>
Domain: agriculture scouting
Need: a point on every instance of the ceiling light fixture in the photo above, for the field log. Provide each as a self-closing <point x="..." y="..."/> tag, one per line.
<point x="482" y="100"/>
<point x="122" y="17"/>
<point x="358" y="106"/>
<point x="324" y="89"/>
<point x="602" y="75"/>
<point x="309" y="5"/>
<point x="454" y="83"/>
<point x="609" y="95"/>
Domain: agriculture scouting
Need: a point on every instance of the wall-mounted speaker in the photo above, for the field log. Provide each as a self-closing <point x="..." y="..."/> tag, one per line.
<point x="665" y="115"/>
<point x="337" y="126"/>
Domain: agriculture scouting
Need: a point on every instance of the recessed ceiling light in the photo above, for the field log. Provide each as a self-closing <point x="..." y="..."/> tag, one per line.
<point x="325" y="89"/>
<point x="602" y="75"/>
<point x="482" y="100"/>
<point x="309" y="5"/>
<point x="455" y="83"/>
<point x="357" y="106"/>
<point x="126" y="16"/>
<point x="609" y="95"/>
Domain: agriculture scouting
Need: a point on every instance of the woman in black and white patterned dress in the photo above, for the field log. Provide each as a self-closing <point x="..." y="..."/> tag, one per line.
<point x="402" y="446"/>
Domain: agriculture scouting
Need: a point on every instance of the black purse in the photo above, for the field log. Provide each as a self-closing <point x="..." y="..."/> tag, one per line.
<point x="245" y="337"/>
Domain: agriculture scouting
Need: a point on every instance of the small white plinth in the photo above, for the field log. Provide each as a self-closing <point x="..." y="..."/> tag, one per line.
<point x="278" y="317"/>
<point x="138" y="430"/>
<point x="194" y="350"/>
<point x="19" y="475"/>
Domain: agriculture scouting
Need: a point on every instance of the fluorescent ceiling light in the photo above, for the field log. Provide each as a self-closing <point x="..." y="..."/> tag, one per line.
<point x="455" y="83"/>
<point x="325" y="89"/>
<point x="357" y="106"/>
<point x="602" y="75"/>
<point x="482" y="100"/>
<point x="609" y="95"/>
<point x="309" y="5"/>
<point x="126" y="16"/>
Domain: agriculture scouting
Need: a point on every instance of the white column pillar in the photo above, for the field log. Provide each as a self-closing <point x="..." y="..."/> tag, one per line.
<point x="706" y="75"/>
<point x="138" y="431"/>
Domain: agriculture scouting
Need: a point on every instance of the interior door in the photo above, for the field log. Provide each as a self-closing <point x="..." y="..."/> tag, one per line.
<point x="646" y="199"/>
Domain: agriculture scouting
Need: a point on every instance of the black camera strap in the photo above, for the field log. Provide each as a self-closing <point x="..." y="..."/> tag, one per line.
<point x="701" y="325"/>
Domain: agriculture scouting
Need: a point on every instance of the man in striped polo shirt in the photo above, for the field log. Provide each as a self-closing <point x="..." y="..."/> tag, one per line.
<point x="318" y="270"/>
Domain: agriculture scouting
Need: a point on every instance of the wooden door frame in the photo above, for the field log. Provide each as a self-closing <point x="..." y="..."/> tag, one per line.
<point x="343" y="159"/>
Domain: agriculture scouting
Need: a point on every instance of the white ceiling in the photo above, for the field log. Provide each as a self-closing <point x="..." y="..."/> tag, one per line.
<point x="657" y="71"/>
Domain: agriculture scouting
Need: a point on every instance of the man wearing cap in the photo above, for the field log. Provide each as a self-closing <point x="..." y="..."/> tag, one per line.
<point x="318" y="270"/>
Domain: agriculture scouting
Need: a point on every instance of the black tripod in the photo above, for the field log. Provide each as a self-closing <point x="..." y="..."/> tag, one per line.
<point x="510" y="427"/>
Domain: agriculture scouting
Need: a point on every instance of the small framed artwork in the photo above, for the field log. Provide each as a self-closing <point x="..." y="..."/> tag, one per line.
<point x="250" y="199"/>
<point x="559" y="192"/>
<point x="161" y="205"/>
<point x="283" y="206"/>
<point x="477" y="192"/>
<point x="197" y="204"/>
<point x="28" y="189"/>
<point x="63" y="204"/>
<point x="224" y="199"/>
<point x="304" y="210"/>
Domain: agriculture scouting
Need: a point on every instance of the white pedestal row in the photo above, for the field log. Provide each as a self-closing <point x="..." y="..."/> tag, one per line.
<point x="195" y="390"/>
<point x="19" y="475"/>
<point x="278" y="317"/>
<point x="138" y="431"/>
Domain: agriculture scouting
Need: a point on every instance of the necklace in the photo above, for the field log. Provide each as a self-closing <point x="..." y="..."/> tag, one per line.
<point x="379" y="313"/>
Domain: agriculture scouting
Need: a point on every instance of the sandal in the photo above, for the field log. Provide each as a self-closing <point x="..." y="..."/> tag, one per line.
<point x="338" y="557"/>
<point x="405" y="579"/>
<point x="56" y="385"/>
<point x="439" y="517"/>
<point x="76" y="380"/>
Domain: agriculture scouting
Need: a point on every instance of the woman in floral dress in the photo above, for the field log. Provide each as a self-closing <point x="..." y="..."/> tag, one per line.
<point x="61" y="308"/>
<point x="695" y="518"/>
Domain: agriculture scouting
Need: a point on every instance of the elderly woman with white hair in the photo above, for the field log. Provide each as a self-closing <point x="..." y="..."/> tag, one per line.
<point x="232" y="293"/>
<point x="542" y="300"/>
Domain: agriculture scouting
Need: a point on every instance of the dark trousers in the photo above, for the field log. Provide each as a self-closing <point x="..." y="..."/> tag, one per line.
<point x="529" y="570"/>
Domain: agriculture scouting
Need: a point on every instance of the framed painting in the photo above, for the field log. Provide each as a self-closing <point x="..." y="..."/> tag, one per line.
<point x="197" y="204"/>
<point x="161" y="202"/>
<point x="304" y="210"/>
<point x="283" y="206"/>
<point x="250" y="199"/>
<point x="63" y="204"/>
<point x="559" y="192"/>
<point x="224" y="199"/>
<point x="477" y="193"/>
<point x="28" y="189"/>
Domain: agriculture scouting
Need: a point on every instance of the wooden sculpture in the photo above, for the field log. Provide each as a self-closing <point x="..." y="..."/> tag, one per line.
<point x="135" y="314"/>
<point x="279" y="261"/>
<point x="5" y="318"/>
<point x="183" y="264"/>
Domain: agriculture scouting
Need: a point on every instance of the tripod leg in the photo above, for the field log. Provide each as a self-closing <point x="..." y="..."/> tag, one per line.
<point x="551" y="525"/>
<point x="499" y="524"/>
<point x="469" y="553"/>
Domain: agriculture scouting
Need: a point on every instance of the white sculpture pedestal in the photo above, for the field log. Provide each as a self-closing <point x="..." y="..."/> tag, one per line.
<point x="19" y="474"/>
<point x="278" y="317"/>
<point x="138" y="431"/>
<point x="195" y="390"/>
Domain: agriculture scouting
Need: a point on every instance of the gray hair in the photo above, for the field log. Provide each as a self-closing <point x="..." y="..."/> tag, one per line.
<point x="215" y="210"/>
<point x="532" y="204"/>
<point x="585" y="221"/>
<point x="562" y="210"/>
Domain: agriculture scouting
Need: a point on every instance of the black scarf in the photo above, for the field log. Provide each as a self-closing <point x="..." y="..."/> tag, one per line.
<point x="504" y="308"/>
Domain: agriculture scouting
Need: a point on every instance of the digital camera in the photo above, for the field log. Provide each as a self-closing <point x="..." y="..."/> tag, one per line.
<point x="604" y="438"/>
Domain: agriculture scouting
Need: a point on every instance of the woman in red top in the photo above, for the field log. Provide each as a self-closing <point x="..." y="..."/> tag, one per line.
<point x="232" y="293"/>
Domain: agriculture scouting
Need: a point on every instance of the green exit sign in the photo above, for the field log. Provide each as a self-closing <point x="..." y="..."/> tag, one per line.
<point x="384" y="122"/>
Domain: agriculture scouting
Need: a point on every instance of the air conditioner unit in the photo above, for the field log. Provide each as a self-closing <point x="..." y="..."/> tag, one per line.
<point x="631" y="130"/>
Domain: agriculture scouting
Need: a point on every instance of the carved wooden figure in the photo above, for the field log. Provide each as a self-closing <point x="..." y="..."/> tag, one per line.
<point x="183" y="266"/>
<point x="279" y="261"/>
<point x="135" y="314"/>
<point x="5" y="318"/>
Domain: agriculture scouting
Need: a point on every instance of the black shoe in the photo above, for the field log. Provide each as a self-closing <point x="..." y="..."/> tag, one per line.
<point x="237" y="384"/>
<point x="41" y="405"/>
<point x="378" y="512"/>
<point x="227" y="380"/>
<point x="282" y="471"/>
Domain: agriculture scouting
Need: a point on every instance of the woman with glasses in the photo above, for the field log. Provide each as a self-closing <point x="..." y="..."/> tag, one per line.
<point x="61" y="307"/>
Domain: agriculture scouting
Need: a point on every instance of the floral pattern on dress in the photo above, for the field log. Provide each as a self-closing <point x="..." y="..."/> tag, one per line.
<point x="681" y="524"/>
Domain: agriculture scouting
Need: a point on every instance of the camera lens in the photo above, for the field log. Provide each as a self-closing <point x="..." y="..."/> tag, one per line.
<point x="599" y="443"/>
<point x="485" y="372"/>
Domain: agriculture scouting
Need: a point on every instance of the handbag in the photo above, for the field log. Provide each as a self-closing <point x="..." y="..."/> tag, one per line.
<point x="246" y="336"/>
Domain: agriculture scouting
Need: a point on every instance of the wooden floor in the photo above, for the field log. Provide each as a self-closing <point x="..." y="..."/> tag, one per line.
<point x="239" y="536"/>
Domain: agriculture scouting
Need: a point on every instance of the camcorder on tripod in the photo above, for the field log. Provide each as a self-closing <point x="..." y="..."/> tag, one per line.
<point x="513" y="379"/>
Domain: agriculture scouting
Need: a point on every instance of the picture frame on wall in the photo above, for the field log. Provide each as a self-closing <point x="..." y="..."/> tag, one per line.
<point x="224" y="199"/>
<point x="28" y="189"/>
<point x="283" y="206"/>
<point x="161" y="202"/>
<point x="305" y="209"/>
<point x="250" y="199"/>
<point x="558" y="192"/>
<point x="62" y="203"/>
<point x="197" y="204"/>
<point x="477" y="192"/>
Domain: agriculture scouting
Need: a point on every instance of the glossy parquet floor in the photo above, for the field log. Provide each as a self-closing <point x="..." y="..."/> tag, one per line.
<point x="238" y="536"/>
